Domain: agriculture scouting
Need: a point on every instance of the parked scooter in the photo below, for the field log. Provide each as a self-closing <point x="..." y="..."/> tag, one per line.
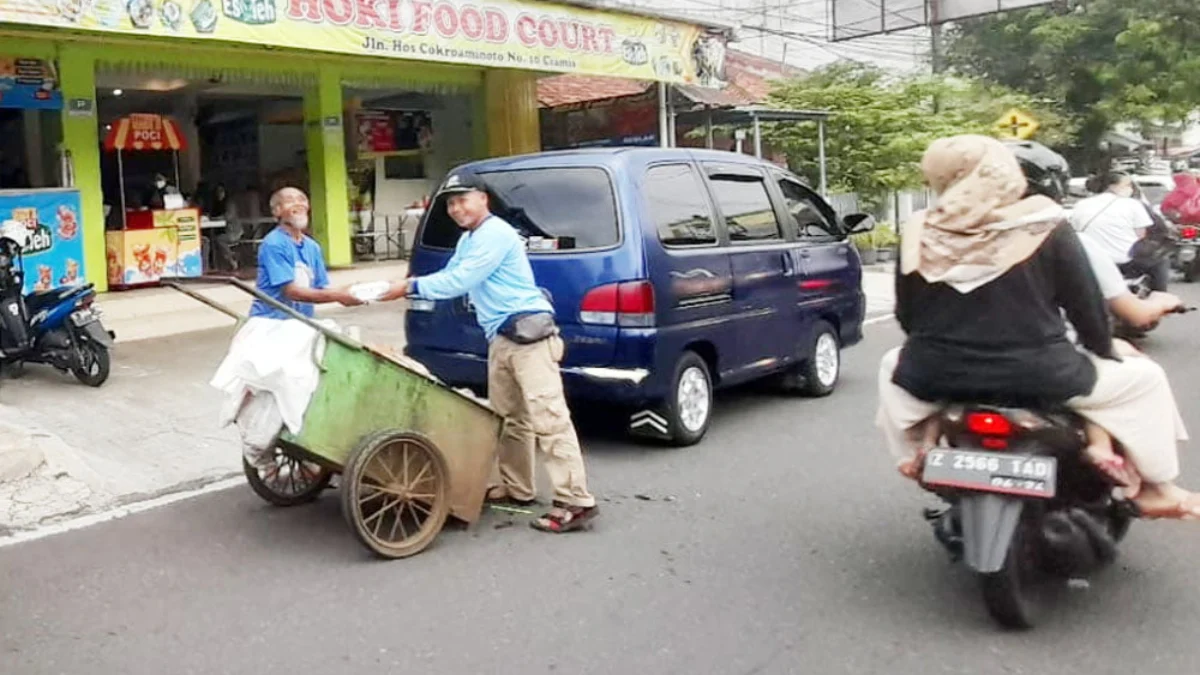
<point x="58" y="327"/>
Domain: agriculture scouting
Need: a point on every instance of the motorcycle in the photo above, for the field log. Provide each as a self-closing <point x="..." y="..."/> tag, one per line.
<point x="59" y="327"/>
<point x="1186" y="257"/>
<point x="1026" y="509"/>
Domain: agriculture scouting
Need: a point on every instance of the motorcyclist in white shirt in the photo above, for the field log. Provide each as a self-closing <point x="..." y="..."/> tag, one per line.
<point x="1118" y="224"/>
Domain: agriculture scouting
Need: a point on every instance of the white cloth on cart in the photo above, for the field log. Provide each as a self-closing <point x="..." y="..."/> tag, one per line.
<point x="269" y="376"/>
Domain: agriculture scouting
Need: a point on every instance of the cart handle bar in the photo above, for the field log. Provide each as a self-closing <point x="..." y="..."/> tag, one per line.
<point x="271" y="302"/>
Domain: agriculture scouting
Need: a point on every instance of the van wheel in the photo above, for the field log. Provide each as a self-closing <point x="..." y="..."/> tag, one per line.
<point x="818" y="375"/>
<point x="682" y="419"/>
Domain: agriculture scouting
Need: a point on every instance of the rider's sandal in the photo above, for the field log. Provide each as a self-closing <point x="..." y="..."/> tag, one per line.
<point x="1187" y="508"/>
<point x="565" y="518"/>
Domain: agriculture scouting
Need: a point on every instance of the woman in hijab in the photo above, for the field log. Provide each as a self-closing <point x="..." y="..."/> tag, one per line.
<point x="982" y="284"/>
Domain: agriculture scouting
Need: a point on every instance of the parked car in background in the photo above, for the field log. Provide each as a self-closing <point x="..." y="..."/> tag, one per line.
<point x="672" y="273"/>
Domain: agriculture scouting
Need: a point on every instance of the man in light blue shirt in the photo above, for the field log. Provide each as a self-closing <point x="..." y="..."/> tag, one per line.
<point x="491" y="267"/>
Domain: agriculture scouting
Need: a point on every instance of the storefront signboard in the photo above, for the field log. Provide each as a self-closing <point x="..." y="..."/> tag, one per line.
<point x="54" y="256"/>
<point x="499" y="33"/>
<point x="28" y="83"/>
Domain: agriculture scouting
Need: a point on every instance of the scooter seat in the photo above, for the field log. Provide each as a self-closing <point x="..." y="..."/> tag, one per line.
<point x="40" y="299"/>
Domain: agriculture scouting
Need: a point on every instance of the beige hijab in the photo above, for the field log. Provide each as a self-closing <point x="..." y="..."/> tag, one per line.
<point x="980" y="227"/>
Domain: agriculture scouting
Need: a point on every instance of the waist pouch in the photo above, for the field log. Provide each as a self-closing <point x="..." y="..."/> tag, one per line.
<point x="529" y="327"/>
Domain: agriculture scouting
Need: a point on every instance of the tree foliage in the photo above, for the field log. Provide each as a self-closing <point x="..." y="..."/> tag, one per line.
<point x="1104" y="61"/>
<point x="881" y="124"/>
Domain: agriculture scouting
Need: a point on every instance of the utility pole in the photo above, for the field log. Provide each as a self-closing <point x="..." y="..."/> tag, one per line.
<point x="935" y="46"/>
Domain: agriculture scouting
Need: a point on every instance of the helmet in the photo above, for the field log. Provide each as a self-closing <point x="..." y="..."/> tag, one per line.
<point x="1046" y="172"/>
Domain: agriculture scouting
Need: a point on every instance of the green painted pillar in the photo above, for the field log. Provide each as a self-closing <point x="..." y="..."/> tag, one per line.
<point x="326" y="147"/>
<point x="81" y="137"/>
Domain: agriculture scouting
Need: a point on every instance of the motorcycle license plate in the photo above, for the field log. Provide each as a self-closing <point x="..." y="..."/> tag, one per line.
<point x="83" y="317"/>
<point x="1004" y="473"/>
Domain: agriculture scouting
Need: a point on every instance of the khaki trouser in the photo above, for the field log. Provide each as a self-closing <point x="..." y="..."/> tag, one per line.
<point x="525" y="386"/>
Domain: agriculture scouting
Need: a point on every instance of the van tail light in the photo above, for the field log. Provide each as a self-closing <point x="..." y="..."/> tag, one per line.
<point x="994" y="429"/>
<point x="629" y="304"/>
<point x="1189" y="232"/>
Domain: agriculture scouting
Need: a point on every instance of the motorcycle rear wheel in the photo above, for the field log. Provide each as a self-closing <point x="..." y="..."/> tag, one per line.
<point x="1012" y="595"/>
<point x="93" y="364"/>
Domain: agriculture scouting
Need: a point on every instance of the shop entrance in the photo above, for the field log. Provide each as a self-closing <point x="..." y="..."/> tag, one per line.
<point x="399" y="145"/>
<point x="188" y="165"/>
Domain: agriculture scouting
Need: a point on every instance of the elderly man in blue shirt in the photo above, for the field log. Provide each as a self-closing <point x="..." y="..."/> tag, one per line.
<point x="490" y="266"/>
<point x="291" y="268"/>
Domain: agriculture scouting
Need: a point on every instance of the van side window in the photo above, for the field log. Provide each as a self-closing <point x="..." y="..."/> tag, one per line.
<point x="747" y="208"/>
<point x="678" y="206"/>
<point x="803" y="208"/>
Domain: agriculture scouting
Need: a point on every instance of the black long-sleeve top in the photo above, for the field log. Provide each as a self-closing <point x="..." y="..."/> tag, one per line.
<point x="1005" y="341"/>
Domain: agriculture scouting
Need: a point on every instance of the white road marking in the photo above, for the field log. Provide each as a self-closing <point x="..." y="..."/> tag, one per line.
<point x="878" y="319"/>
<point x="25" y="536"/>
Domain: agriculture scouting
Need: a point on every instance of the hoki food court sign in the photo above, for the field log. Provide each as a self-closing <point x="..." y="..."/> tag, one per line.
<point x="497" y="33"/>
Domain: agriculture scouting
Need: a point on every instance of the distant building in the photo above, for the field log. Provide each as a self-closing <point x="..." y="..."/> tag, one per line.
<point x="582" y="111"/>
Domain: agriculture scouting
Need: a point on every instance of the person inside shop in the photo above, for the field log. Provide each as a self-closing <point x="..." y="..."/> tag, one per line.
<point x="491" y="266"/>
<point x="222" y="207"/>
<point x="291" y="265"/>
<point x="154" y="196"/>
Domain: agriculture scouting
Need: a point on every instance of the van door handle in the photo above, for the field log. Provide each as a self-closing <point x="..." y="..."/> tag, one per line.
<point x="789" y="265"/>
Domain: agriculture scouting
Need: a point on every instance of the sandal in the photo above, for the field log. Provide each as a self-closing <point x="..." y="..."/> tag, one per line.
<point x="565" y="518"/>
<point x="1185" y="508"/>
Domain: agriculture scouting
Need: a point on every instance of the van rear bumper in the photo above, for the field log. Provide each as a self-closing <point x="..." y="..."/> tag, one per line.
<point x="621" y="386"/>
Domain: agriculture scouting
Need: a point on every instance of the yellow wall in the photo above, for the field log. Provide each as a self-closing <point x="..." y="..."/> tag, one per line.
<point x="511" y="108"/>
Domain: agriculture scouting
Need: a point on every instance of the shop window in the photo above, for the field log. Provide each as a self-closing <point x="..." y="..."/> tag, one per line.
<point x="569" y="208"/>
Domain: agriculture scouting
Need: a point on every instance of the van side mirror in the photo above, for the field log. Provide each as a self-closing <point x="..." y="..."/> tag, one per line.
<point x="859" y="223"/>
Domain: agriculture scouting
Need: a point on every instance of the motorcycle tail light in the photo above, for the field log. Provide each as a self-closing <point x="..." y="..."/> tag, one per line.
<point x="989" y="424"/>
<point x="1189" y="232"/>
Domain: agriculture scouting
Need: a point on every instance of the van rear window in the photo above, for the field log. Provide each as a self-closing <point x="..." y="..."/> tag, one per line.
<point x="575" y="207"/>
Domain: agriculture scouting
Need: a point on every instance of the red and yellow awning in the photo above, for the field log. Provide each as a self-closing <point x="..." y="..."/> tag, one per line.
<point x="144" y="132"/>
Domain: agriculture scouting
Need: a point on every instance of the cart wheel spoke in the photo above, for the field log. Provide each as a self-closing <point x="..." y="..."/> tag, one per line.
<point x="400" y="522"/>
<point x="415" y="505"/>
<point x="382" y="510"/>
<point x="405" y="483"/>
<point x="378" y="458"/>
<point x="427" y="497"/>
<point x="419" y="479"/>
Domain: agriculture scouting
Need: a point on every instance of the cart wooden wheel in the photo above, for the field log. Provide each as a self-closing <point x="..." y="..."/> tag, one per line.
<point x="289" y="481"/>
<point x="396" y="493"/>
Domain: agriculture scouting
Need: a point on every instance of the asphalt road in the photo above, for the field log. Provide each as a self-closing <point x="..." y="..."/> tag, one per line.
<point x="783" y="544"/>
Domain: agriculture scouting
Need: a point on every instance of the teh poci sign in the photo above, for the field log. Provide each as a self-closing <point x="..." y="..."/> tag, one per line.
<point x="474" y="23"/>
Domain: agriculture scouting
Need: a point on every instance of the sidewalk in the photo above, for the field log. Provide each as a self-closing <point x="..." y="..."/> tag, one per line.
<point x="162" y="312"/>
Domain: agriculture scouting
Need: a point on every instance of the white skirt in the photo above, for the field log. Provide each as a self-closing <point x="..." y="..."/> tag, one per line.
<point x="1132" y="401"/>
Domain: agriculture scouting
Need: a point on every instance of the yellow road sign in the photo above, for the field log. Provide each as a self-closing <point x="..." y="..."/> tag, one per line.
<point x="1016" y="124"/>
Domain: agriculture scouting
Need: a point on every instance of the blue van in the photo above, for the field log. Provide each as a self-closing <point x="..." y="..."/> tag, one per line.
<point x="672" y="272"/>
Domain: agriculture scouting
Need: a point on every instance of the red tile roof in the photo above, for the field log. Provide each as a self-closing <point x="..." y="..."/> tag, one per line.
<point x="749" y="80"/>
